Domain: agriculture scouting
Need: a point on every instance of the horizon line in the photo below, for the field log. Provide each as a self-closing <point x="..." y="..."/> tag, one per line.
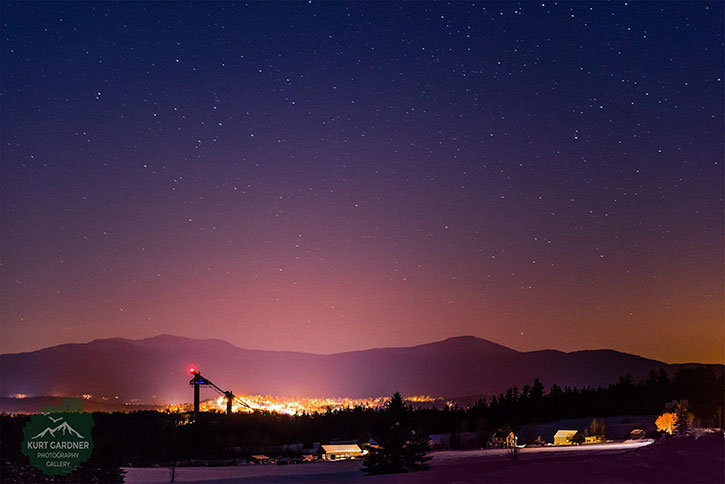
<point x="364" y="349"/>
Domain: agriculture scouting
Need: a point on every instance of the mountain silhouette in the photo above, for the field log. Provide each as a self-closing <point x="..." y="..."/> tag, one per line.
<point x="154" y="370"/>
<point x="64" y="429"/>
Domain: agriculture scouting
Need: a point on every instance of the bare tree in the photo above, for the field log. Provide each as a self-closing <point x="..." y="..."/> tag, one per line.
<point x="515" y="449"/>
<point x="596" y="428"/>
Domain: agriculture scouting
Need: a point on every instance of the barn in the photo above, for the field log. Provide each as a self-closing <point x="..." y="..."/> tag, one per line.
<point x="568" y="437"/>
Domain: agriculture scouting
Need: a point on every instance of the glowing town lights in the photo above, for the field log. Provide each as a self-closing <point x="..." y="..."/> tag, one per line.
<point x="297" y="405"/>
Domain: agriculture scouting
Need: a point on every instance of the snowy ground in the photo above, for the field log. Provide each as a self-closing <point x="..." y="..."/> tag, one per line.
<point x="676" y="460"/>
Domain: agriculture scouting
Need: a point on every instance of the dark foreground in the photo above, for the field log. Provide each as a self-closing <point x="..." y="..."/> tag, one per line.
<point x="673" y="460"/>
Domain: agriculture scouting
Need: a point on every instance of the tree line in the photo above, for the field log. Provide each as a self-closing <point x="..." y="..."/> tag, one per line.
<point x="148" y="437"/>
<point x="700" y="386"/>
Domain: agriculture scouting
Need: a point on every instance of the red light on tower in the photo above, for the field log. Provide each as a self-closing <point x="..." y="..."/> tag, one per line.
<point x="192" y="370"/>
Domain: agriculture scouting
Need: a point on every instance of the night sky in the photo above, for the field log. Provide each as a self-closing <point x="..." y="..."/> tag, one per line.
<point x="327" y="177"/>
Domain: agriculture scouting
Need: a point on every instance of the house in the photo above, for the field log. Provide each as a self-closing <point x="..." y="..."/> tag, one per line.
<point x="260" y="459"/>
<point x="594" y="439"/>
<point x="501" y="439"/>
<point x="341" y="451"/>
<point x="568" y="437"/>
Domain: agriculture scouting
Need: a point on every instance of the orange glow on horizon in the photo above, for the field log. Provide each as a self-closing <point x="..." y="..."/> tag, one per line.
<point x="297" y="405"/>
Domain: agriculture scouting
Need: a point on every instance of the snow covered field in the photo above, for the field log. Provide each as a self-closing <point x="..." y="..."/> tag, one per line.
<point x="675" y="460"/>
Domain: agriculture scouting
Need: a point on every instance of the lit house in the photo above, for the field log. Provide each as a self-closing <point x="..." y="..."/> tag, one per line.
<point x="260" y="459"/>
<point x="568" y="437"/>
<point x="502" y="439"/>
<point x="341" y="451"/>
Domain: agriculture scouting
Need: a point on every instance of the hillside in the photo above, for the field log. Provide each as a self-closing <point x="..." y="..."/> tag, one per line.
<point x="154" y="370"/>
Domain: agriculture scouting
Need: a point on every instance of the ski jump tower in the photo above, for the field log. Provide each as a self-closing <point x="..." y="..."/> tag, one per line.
<point x="198" y="381"/>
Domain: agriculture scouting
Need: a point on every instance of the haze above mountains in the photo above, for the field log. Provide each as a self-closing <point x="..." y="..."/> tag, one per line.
<point x="155" y="370"/>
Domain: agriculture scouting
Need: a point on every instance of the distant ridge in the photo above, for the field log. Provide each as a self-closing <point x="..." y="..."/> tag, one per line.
<point x="154" y="370"/>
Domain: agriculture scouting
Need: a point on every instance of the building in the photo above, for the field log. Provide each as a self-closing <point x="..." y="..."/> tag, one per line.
<point x="501" y="439"/>
<point x="260" y="459"/>
<point x="594" y="439"/>
<point x="341" y="452"/>
<point x="568" y="437"/>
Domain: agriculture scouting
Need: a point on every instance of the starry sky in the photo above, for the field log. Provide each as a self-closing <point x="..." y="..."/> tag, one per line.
<point x="327" y="177"/>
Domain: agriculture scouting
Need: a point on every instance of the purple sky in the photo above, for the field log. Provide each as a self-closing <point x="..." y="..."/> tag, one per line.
<point x="326" y="177"/>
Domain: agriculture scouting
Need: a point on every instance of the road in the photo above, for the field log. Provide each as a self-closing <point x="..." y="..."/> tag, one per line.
<point x="447" y="466"/>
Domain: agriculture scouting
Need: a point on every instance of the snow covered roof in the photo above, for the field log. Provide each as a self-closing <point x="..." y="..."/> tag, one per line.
<point x="565" y="433"/>
<point x="341" y="448"/>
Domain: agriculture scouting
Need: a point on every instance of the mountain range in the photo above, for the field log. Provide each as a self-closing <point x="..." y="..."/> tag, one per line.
<point x="155" y="370"/>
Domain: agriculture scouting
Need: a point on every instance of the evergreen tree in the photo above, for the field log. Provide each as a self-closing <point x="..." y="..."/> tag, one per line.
<point x="401" y="448"/>
<point x="683" y="419"/>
